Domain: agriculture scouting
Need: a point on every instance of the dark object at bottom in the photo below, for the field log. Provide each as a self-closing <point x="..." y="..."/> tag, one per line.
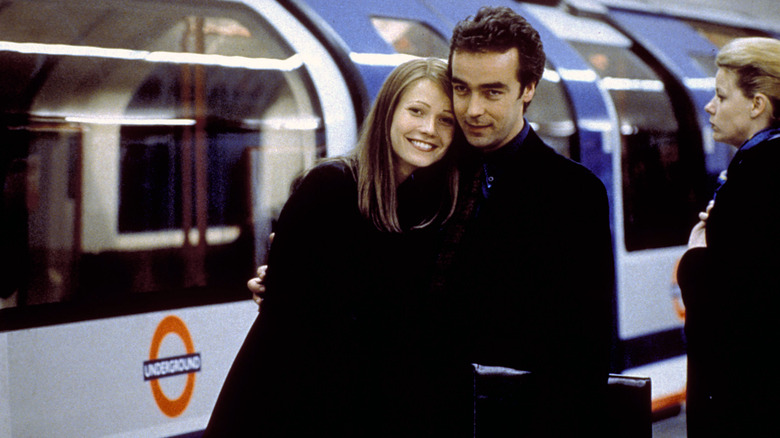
<point x="501" y="403"/>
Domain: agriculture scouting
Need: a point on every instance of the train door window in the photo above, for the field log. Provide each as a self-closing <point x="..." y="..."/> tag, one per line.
<point x="661" y="153"/>
<point x="411" y="37"/>
<point x="168" y="129"/>
<point x="660" y="160"/>
<point x="551" y="115"/>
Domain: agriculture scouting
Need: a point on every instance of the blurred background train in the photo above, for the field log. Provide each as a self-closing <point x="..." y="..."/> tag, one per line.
<point x="146" y="147"/>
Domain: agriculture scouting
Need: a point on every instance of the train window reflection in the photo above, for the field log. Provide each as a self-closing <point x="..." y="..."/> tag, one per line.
<point x="411" y="37"/>
<point x="719" y="35"/>
<point x="550" y="115"/>
<point x="707" y="64"/>
<point x="41" y="200"/>
<point x="661" y="158"/>
<point x="146" y="175"/>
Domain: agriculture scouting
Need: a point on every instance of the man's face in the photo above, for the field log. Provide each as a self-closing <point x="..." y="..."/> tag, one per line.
<point x="487" y="97"/>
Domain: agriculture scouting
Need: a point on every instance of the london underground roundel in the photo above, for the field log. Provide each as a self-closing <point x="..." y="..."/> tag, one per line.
<point x="157" y="368"/>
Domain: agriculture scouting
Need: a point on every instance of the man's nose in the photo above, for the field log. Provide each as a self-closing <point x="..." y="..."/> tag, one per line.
<point x="475" y="107"/>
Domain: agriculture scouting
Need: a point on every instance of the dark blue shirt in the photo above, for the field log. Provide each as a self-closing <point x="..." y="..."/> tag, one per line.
<point x="494" y="163"/>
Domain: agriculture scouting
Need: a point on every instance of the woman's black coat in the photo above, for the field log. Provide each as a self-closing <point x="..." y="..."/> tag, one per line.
<point x="338" y="347"/>
<point x="731" y="291"/>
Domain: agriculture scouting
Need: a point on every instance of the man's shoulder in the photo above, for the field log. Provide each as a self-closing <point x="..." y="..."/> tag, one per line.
<point x="548" y="164"/>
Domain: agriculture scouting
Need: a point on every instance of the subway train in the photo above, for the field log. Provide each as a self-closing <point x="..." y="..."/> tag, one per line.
<point x="148" y="146"/>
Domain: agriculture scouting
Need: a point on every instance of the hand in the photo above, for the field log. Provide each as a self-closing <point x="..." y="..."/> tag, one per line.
<point x="698" y="237"/>
<point x="256" y="285"/>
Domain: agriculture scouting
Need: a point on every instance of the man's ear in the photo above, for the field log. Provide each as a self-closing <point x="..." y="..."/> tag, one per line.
<point x="528" y="92"/>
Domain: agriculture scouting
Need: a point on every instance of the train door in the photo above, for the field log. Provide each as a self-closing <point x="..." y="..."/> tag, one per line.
<point x="147" y="147"/>
<point x="690" y="58"/>
<point x="660" y="182"/>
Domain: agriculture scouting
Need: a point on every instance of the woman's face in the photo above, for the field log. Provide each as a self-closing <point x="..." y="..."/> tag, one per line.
<point x="729" y="111"/>
<point x="422" y="128"/>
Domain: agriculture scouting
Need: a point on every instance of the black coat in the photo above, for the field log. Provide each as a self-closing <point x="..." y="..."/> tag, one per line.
<point x="339" y="346"/>
<point x="529" y="286"/>
<point x="731" y="291"/>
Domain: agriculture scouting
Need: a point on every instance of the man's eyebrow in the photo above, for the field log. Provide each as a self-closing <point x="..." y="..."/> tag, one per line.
<point x="487" y="86"/>
<point x="493" y="85"/>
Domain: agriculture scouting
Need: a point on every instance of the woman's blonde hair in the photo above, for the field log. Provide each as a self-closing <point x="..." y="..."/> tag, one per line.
<point x="373" y="160"/>
<point x="756" y="62"/>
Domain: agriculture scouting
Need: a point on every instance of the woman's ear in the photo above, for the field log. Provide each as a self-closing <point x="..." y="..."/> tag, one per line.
<point x="761" y="106"/>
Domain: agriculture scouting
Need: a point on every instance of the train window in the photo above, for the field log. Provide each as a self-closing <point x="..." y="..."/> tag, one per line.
<point x="411" y="37"/>
<point x="143" y="142"/>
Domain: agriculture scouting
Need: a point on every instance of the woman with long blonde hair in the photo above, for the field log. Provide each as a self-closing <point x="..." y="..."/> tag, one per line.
<point x="340" y="347"/>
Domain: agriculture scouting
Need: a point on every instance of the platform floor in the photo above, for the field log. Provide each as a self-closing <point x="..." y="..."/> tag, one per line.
<point x="672" y="427"/>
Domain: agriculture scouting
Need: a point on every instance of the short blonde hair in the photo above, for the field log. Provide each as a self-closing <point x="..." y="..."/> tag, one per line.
<point x="756" y="62"/>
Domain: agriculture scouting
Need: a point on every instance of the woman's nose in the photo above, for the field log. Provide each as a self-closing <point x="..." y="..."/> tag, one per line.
<point x="710" y="107"/>
<point x="428" y="125"/>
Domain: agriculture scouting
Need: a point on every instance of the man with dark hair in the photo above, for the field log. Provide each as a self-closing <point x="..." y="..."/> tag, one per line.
<point x="526" y="273"/>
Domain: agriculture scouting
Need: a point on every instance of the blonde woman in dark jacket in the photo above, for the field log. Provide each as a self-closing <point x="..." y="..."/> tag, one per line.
<point x="730" y="276"/>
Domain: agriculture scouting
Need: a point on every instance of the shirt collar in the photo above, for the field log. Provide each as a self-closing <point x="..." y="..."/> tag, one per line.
<point x="498" y="156"/>
<point x="495" y="163"/>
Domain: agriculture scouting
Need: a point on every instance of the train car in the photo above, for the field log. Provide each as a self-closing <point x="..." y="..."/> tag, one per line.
<point x="148" y="147"/>
<point x="650" y="332"/>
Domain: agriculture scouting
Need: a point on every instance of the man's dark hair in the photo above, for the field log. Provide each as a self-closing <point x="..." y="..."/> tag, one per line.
<point x="499" y="29"/>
